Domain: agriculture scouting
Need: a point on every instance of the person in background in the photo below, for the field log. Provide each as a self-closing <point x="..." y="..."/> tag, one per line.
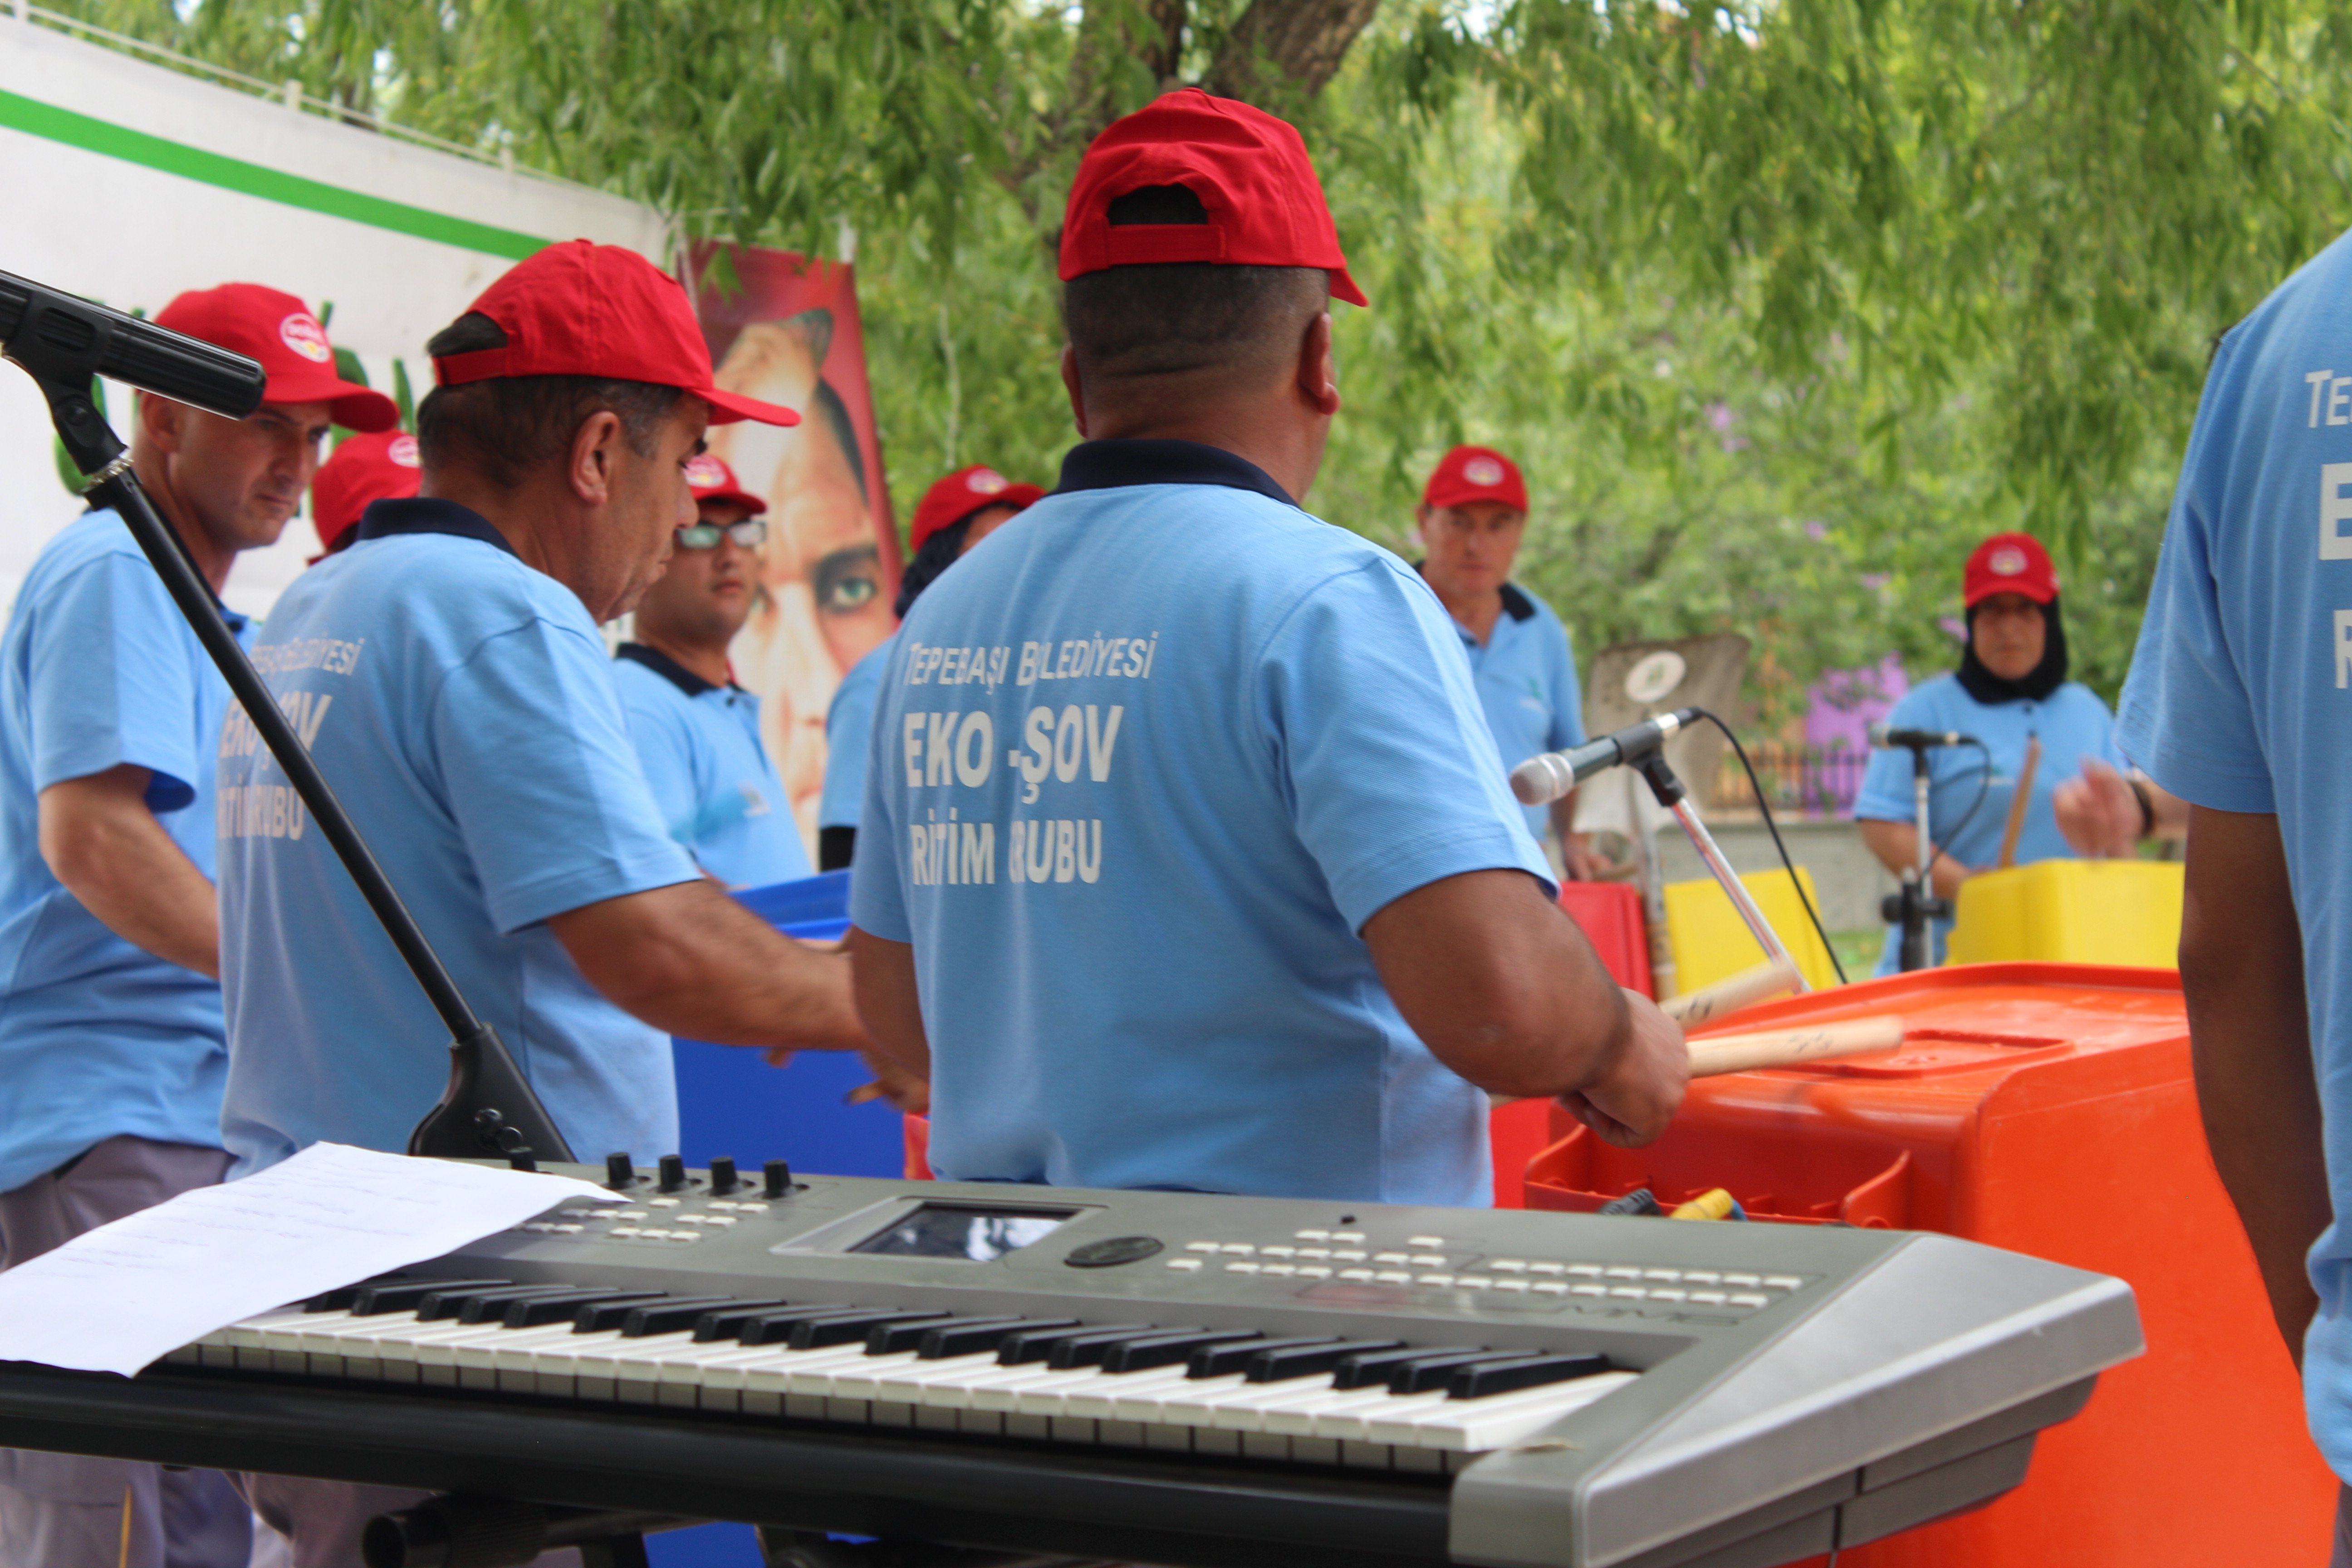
<point x="956" y="513"/>
<point x="1472" y="514"/>
<point x="382" y="465"/>
<point x="698" y="733"/>
<point x="113" y="1050"/>
<point x="2011" y="690"/>
<point x="1186" y="860"/>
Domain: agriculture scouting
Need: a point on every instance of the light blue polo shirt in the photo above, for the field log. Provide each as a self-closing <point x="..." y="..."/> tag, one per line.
<point x="1525" y="674"/>
<point x="1143" y="765"/>
<point x="462" y="706"/>
<point x="99" y="1038"/>
<point x="2240" y="693"/>
<point x="848" y="726"/>
<point x="2073" y="724"/>
<point x="699" y="746"/>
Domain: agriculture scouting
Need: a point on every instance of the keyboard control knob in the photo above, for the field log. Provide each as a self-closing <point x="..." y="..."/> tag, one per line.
<point x="779" y="1183"/>
<point x="1112" y="1251"/>
<point x="673" y="1173"/>
<point x="619" y="1173"/>
<point x="722" y="1176"/>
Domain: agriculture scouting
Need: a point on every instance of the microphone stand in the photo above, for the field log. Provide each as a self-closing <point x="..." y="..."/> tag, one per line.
<point x="489" y="1107"/>
<point x="1670" y="793"/>
<point x="1915" y="906"/>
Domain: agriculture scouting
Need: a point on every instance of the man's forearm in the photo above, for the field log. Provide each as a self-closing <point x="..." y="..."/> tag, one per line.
<point x="2242" y="971"/>
<point x="103" y="844"/>
<point x="889" y="1001"/>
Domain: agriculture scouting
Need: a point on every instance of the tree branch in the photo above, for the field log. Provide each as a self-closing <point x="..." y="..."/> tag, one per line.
<point x="1303" y="40"/>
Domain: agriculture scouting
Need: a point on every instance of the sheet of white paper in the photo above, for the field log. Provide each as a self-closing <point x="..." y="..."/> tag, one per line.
<point x="119" y="1297"/>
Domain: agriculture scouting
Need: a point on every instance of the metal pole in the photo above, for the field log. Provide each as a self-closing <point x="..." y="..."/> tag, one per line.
<point x="1736" y="890"/>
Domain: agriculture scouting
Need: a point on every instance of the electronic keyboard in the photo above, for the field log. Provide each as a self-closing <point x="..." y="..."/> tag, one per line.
<point x="1172" y="1377"/>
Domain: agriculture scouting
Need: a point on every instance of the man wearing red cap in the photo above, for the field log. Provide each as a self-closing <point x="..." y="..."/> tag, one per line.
<point x="698" y="733"/>
<point x="1472" y="514"/>
<point x="2010" y="691"/>
<point x="383" y="466"/>
<point x="956" y="513"/>
<point x="1187" y="859"/>
<point x="111" y="1041"/>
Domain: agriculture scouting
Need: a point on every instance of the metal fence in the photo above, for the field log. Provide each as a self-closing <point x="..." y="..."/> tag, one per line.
<point x="1808" y="781"/>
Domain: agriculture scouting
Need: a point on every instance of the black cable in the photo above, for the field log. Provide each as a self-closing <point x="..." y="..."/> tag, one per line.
<point x="1984" y="785"/>
<point x="1765" y="808"/>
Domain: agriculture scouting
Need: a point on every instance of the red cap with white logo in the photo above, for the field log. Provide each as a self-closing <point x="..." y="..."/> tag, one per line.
<point x="583" y="308"/>
<point x="962" y="493"/>
<point x="279" y="331"/>
<point x="1472" y="474"/>
<point x="711" y="480"/>
<point x="1249" y="168"/>
<point x="363" y="469"/>
<point x="2010" y="563"/>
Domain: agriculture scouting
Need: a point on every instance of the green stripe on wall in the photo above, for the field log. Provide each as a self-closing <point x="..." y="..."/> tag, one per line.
<point x="55" y="124"/>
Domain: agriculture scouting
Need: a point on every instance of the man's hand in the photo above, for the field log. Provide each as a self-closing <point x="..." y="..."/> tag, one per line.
<point x="103" y="844"/>
<point x="1633" y="1101"/>
<point x="894" y="1083"/>
<point x="2098" y="813"/>
<point x="690" y="961"/>
<point x="1582" y="864"/>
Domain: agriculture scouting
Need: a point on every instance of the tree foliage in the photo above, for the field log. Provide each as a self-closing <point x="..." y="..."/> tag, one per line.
<point x="1785" y="304"/>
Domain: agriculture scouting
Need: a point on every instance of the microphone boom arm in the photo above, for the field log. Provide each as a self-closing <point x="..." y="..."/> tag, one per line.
<point x="488" y="1109"/>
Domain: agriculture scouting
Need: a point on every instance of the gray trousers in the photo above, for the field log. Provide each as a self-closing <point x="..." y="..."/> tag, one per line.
<point x="65" y="1510"/>
<point x="2343" y="1557"/>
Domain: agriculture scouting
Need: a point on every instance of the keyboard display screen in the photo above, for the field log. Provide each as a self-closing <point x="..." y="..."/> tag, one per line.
<point x="955" y="1230"/>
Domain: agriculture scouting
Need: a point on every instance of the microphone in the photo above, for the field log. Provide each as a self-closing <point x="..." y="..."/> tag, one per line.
<point x="59" y="338"/>
<point x="1553" y="774"/>
<point x="1883" y="734"/>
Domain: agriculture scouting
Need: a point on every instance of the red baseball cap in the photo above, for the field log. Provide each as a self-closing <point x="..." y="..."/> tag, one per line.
<point x="962" y="493"/>
<point x="2010" y="563"/>
<point x="1469" y="474"/>
<point x="383" y="466"/>
<point x="583" y="308"/>
<point x="279" y="331"/>
<point x="1250" y="169"/>
<point x="711" y="479"/>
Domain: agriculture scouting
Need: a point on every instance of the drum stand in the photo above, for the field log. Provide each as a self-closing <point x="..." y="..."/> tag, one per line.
<point x="1916" y="906"/>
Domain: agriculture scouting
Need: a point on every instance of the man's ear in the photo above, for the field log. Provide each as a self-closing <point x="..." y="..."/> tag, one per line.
<point x="1421" y="515"/>
<point x="161" y="421"/>
<point x="1077" y="392"/>
<point x="589" y="471"/>
<point x="1318" y="372"/>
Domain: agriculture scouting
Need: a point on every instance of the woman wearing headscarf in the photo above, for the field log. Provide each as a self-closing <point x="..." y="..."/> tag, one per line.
<point x="2010" y="691"/>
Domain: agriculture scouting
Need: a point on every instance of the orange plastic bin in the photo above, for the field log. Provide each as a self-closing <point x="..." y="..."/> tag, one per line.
<point x="2045" y="1108"/>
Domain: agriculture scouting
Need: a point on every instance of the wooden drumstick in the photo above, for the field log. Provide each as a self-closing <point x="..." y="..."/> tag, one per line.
<point x="2020" y="801"/>
<point x="1720" y="1054"/>
<point x="1729" y="995"/>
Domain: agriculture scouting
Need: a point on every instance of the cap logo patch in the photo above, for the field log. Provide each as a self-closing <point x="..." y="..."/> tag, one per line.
<point x="301" y="332"/>
<point x="986" y="482"/>
<point x="2007" y="562"/>
<point x="703" y="470"/>
<point x="403" y="452"/>
<point x="1483" y="471"/>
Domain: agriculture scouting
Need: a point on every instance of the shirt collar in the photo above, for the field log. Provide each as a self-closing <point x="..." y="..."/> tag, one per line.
<point x="668" y="669"/>
<point x="1516" y="605"/>
<point x="1111" y="465"/>
<point x="430" y="514"/>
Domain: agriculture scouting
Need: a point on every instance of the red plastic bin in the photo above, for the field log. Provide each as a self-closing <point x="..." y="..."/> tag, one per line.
<point x="2047" y="1108"/>
<point x="1611" y="914"/>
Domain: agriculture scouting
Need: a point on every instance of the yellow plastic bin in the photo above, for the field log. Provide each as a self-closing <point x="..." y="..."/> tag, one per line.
<point x="2071" y="911"/>
<point x="1710" y="942"/>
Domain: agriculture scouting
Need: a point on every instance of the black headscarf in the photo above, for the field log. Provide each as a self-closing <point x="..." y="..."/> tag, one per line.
<point x="939" y="553"/>
<point x="2037" y="684"/>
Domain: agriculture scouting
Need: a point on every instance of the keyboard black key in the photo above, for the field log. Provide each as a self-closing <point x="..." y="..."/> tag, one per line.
<point x="970" y="1336"/>
<point x="595" y="1316"/>
<point x="340" y="1298"/>
<point x="1280" y="1361"/>
<point x="1088" y="1349"/>
<point x="402" y="1295"/>
<point x="1478" y="1381"/>
<point x="816" y="1333"/>
<point x="776" y="1328"/>
<point x="890" y="1339"/>
<point x="1368" y="1369"/>
<point x="536" y="1312"/>
<point x="1220" y="1359"/>
<point x="1433" y="1373"/>
<point x="492" y="1305"/>
<point x="726" y="1323"/>
<point x="1038" y="1345"/>
<point x="1169" y="1349"/>
<point x="439" y="1306"/>
<point x="670" y="1317"/>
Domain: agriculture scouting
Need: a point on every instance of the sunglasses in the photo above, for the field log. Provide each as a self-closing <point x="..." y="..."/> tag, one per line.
<point x="749" y="535"/>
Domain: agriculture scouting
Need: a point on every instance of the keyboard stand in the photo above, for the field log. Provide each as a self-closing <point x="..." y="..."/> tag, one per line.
<point x="489" y="1532"/>
<point x="804" y="1549"/>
